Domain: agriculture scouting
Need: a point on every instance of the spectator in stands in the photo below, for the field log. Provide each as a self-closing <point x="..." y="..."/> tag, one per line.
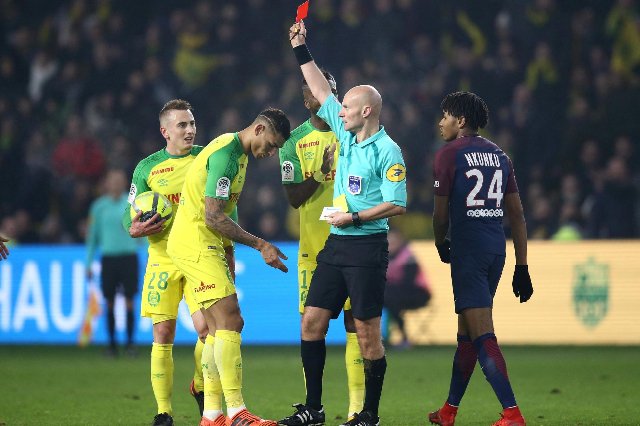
<point x="78" y="155"/>
<point x="613" y="214"/>
<point x="407" y="287"/>
<point x="556" y="73"/>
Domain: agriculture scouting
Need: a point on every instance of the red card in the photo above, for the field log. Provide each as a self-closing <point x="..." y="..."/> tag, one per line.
<point x="303" y="10"/>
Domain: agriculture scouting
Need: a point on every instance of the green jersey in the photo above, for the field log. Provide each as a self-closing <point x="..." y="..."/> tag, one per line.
<point x="163" y="173"/>
<point x="219" y="172"/>
<point x="300" y="157"/>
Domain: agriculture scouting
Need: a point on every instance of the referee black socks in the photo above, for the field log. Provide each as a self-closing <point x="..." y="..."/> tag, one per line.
<point x="313" y="355"/>
<point x="374" y="371"/>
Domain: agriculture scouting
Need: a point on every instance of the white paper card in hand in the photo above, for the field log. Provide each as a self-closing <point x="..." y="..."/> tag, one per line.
<point x="327" y="211"/>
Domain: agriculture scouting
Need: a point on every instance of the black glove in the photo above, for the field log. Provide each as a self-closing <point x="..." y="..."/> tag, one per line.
<point x="444" y="251"/>
<point x="522" y="283"/>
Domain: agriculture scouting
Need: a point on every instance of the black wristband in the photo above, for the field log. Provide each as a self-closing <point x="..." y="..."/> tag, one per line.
<point x="302" y="54"/>
<point x="355" y="218"/>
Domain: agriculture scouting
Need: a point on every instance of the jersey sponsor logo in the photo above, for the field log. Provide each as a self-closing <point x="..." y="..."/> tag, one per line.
<point x="163" y="170"/>
<point x="329" y="176"/>
<point x="396" y="173"/>
<point x="223" y="186"/>
<point x="204" y="287"/>
<point x="174" y="198"/>
<point x="309" y="155"/>
<point x="132" y="193"/>
<point x="163" y="182"/>
<point x="355" y="184"/>
<point x="436" y="184"/>
<point x="308" y="144"/>
<point x="485" y="213"/>
<point x="234" y="197"/>
<point x="287" y="171"/>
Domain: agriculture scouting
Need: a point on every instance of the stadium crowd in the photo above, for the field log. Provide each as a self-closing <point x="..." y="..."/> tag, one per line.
<point x="82" y="81"/>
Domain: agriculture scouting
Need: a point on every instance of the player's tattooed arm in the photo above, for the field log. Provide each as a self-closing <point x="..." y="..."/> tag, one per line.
<point x="216" y="219"/>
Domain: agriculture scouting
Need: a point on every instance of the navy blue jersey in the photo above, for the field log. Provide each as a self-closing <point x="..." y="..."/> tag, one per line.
<point x="475" y="174"/>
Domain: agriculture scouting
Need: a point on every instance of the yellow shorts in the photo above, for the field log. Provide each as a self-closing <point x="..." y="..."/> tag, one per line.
<point x="306" y="268"/>
<point x="208" y="279"/>
<point x="162" y="291"/>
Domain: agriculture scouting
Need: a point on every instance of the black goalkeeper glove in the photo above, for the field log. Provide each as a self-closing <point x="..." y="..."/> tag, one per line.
<point x="522" y="286"/>
<point x="444" y="251"/>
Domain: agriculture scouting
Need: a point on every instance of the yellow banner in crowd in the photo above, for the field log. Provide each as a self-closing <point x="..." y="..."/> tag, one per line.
<point x="584" y="293"/>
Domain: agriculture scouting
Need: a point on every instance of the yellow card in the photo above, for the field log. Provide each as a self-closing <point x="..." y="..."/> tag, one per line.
<point x="341" y="203"/>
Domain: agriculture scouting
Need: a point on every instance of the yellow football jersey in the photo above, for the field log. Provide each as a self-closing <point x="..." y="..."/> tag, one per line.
<point x="219" y="172"/>
<point x="163" y="173"/>
<point x="300" y="156"/>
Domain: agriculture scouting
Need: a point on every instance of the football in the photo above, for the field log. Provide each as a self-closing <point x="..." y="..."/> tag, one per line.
<point x="150" y="203"/>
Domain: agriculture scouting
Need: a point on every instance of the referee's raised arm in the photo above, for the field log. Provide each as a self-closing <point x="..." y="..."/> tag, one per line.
<point x="318" y="84"/>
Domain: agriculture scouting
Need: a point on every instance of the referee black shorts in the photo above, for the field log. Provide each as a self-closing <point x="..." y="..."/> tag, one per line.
<point x="119" y="273"/>
<point x="351" y="266"/>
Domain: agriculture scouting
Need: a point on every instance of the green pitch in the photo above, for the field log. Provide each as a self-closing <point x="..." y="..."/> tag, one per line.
<point x="553" y="385"/>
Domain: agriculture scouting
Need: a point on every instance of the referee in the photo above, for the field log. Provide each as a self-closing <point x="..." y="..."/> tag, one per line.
<point x="119" y="253"/>
<point x="370" y="187"/>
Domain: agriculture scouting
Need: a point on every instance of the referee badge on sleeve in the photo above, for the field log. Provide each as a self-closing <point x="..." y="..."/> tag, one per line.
<point x="396" y="173"/>
<point x="355" y="184"/>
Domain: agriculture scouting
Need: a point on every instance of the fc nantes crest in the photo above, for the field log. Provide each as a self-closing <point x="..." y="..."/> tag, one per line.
<point x="396" y="173"/>
<point x="591" y="292"/>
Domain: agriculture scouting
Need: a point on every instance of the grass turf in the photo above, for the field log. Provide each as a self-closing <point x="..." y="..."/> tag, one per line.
<point x="53" y="385"/>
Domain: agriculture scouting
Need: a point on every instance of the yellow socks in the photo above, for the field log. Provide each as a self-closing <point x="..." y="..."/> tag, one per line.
<point x="162" y="375"/>
<point x="212" y="386"/>
<point x="355" y="374"/>
<point x="198" y="380"/>
<point x="229" y="362"/>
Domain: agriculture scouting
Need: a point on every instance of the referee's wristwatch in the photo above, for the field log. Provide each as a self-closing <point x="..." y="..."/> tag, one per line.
<point x="355" y="218"/>
<point x="318" y="176"/>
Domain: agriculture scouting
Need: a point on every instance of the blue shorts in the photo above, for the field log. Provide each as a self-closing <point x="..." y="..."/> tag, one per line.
<point x="475" y="279"/>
